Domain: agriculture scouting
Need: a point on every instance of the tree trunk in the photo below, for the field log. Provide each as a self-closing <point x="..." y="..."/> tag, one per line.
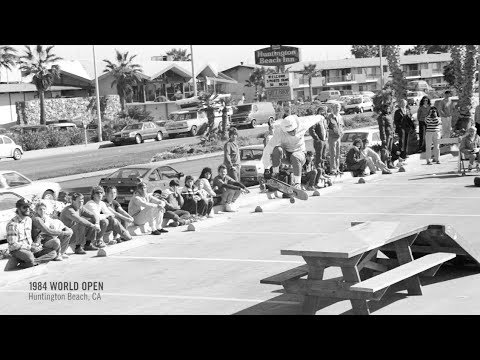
<point x="310" y="87"/>
<point x="41" y="96"/>
<point x="465" y="103"/>
<point x="224" y="125"/>
<point x="399" y="83"/>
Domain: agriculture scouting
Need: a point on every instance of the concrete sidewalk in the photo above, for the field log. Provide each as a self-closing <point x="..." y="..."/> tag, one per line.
<point x="74" y="149"/>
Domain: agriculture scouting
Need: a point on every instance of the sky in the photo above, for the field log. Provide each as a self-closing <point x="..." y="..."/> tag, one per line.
<point x="223" y="56"/>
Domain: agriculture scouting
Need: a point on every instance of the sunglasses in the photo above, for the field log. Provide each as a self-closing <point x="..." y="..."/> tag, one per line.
<point x="24" y="207"/>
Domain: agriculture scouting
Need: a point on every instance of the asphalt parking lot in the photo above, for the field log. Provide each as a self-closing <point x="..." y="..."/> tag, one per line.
<point x="217" y="269"/>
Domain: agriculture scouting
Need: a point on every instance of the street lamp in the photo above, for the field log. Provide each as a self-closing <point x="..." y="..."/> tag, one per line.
<point x="193" y="72"/>
<point x="97" y="91"/>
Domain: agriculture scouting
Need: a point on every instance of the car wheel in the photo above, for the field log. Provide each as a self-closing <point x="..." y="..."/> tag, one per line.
<point x="138" y="139"/>
<point x="159" y="136"/>
<point x="361" y="110"/>
<point x="48" y="195"/>
<point x="193" y="131"/>
<point x="271" y="120"/>
<point x="17" y="154"/>
<point x="253" y="124"/>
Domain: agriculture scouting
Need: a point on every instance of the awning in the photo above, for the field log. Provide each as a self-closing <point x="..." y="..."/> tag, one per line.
<point x="220" y="80"/>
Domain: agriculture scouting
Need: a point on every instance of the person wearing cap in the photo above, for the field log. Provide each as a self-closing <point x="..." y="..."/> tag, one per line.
<point x="173" y="204"/>
<point x="288" y="146"/>
<point x="232" y="155"/>
<point x="470" y="147"/>
<point x="146" y="208"/>
<point x="228" y="189"/>
<point x="335" y="131"/>
<point x="310" y="173"/>
<point x="354" y="161"/>
<point x="19" y="239"/>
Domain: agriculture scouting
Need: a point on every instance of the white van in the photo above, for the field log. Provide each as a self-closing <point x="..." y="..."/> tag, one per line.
<point x="253" y="114"/>
<point x="185" y="122"/>
<point x="328" y="95"/>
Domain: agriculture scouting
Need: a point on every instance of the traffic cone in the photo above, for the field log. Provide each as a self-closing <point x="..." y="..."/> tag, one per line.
<point x="101" y="253"/>
<point x="402" y="169"/>
<point x="476" y="181"/>
<point x="191" y="227"/>
<point x="361" y="181"/>
<point x="258" y="209"/>
<point x="316" y="193"/>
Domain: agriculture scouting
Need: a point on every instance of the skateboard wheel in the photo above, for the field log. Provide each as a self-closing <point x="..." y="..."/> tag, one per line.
<point x="292" y="200"/>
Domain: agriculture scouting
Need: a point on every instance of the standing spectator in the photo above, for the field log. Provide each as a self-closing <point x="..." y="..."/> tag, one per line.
<point x="194" y="204"/>
<point x="228" y="188"/>
<point x="310" y="173"/>
<point x="422" y="113"/>
<point x="403" y="125"/>
<point x="232" y="155"/>
<point x="477" y="119"/>
<point x="268" y="135"/>
<point x="385" y="125"/>
<point x="445" y="111"/>
<point x="50" y="232"/>
<point x="319" y="134"/>
<point x="117" y="210"/>
<point x="19" y="239"/>
<point x="146" y="208"/>
<point x="373" y="159"/>
<point x="470" y="146"/>
<point x="354" y="160"/>
<point x="174" y="202"/>
<point x="432" y="135"/>
<point x="83" y="223"/>
<point x="335" y="131"/>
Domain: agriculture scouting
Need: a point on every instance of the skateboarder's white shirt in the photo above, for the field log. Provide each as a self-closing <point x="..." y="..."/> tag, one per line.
<point x="288" y="142"/>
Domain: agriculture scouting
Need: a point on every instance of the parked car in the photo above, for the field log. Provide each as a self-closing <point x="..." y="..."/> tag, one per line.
<point x="186" y="122"/>
<point x="359" y="104"/>
<point x="370" y="94"/>
<point x="418" y="85"/>
<point x="328" y="95"/>
<point x="8" y="148"/>
<point x="373" y="136"/>
<point x="163" y="129"/>
<point x="137" y="133"/>
<point x="253" y="114"/>
<point x="156" y="176"/>
<point x="12" y="180"/>
<point x="251" y="166"/>
<point x="8" y="199"/>
<point x="414" y="97"/>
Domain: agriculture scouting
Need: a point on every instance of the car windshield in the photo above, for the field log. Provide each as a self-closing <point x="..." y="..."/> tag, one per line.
<point x="355" y="101"/>
<point x="349" y="137"/>
<point x="129" y="173"/>
<point x="184" y="116"/>
<point x="251" y="154"/>
<point x="133" y="127"/>
<point x="242" y="108"/>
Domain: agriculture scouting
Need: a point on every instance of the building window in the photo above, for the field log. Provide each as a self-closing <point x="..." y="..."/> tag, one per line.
<point x="385" y="68"/>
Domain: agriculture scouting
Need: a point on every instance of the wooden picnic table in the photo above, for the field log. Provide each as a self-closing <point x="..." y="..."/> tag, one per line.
<point x="355" y="252"/>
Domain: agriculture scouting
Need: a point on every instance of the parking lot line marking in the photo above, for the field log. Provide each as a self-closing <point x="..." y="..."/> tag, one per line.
<point x="416" y="183"/>
<point x="263" y="232"/>
<point x="202" y="259"/>
<point x="181" y="297"/>
<point x="400" y="197"/>
<point x="368" y="213"/>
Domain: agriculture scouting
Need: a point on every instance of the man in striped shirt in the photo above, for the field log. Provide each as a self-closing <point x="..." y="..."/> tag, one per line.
<point x="432" y="135"/>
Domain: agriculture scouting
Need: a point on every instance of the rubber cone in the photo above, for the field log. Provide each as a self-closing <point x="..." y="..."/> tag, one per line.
<point x="258" y="209"/>
<point x="101" y="253"/>
<point x="476" y="181"/>
<point x="191" y="227"/>
<point x="361" y="181"/>
<point x="316" y="193"/>
<point x="402" y="169"/>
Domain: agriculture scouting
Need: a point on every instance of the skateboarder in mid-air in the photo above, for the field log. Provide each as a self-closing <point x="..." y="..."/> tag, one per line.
<point x="287" y="146"/>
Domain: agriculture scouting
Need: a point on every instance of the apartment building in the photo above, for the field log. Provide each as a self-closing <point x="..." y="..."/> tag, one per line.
<point x="363" y="74"/>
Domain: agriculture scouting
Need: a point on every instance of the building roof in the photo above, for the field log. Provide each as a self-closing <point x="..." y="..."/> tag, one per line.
<point x="370" y="62"/>
<point x="22" y="87"/>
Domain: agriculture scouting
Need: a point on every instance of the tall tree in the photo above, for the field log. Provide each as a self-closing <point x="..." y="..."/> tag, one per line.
<point x="40" y="62"/>
<point x="257" y="78"/>
<point x="365" y="51"/>
<point x="449" y="74"/>
<point x="179" y="54"/>
<point x="458" y="57"/>
<point x="310" y="71"/>
<point x="399" y="82"/>
<point x="427" y="49"/>
<point x="8" y="57"/>
<point x="126" y="74"/>
<point x="465" y="100"/>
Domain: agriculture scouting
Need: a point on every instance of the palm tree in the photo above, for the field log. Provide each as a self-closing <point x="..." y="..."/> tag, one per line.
<point x="310" y="71"/>
<point x="179" y="54"/>
<point x="40" y="62"/>
<point x="257" y="78"/>
<point x="125" y="73"/>
<point x="8" y="57"/>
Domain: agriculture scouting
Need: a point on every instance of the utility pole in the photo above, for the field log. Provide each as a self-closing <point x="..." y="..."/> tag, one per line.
<point x="381" y="67"/>
<point x="97" y="91"/>
<point x="193" y="73"/>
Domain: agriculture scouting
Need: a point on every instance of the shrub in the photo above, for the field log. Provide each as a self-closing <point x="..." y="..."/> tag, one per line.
<point x="110" y="127"/>
<point x="32" y="140"/>
<point x="136" y="114"/>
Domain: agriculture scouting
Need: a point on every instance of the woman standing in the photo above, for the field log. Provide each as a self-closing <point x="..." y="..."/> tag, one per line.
<point x="403" y="125"/>
<point x="432" y="135"/>
<point x="422" y="112"/>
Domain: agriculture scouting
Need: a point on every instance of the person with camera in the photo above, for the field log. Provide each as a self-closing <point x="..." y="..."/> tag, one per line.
<point x="470" y="147"/>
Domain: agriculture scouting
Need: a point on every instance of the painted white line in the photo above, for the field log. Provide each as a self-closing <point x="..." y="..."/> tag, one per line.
<point x="203" y="259"/>
<point x="368" y="213"/>
<point x="171" y="297"/>
<point x="414" y="182"/>
<point x="263" y="233"/>
<point x="403" y="197"/>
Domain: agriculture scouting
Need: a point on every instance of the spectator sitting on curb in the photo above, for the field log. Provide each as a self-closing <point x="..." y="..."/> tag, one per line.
<point x="205" y="196"/>
<point x="228" y="188"/>
<point x="117" y="210"/>
<point x="373" y="159"/>
<point x="19" y="239"/>
<point x="174" y="202"/>
<point x="470" y="146"/>
<point x="354" y="160"/>
<point x="193" y="202"/>
<point x="232" y="155"/>
<point x="310" y="174"/>
<point x="206" y="179"/>
<point x="146" y="208"/>
<point x="50" y="233"/>
<point x="83" y="223"/>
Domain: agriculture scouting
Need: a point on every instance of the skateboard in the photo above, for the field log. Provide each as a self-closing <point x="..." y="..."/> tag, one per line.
<point x="288" y="190"/>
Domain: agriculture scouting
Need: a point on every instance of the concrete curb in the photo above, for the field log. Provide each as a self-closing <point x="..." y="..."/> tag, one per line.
<point x="36" y="154"/>
<point x="10" y="277"/>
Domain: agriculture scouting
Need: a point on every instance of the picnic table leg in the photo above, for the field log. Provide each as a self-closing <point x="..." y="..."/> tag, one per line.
<point x="315" y="272"/>
<point x="350" y="274"/>
<point x="404" y="255"/>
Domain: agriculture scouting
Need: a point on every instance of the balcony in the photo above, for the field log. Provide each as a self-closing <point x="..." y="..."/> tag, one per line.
<point x="342" y="78"/>
<point x="413" y="73"/>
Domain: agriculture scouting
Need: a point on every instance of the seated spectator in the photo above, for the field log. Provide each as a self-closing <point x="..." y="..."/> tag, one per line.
<point x="117" y="210"/>
<point x="373" y="159"/>
<point x="205" y="196"/>
<point x="193" y="202"/>
<point x="354" y="160"/>
<point x="310" y="175"/>
<point x="228" y="188"/>
<point x="108" y="223"/>
<point x="174" y="202"/>
<point x="83" y="223"/>
<point x="50" y="233"/>
<point x="19" y="238"/>
<point x="206" y="179"/>
<point x="146" y="208"/>
<point x="470" y="146"/>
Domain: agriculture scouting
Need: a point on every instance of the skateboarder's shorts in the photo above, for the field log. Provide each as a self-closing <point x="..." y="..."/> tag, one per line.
<point x="296" y="159"/>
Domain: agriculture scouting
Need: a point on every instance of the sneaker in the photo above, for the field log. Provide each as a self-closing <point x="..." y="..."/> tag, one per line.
<point x="311" y="188"/>
<point x="373" y="172"/>
<point x="318" y="187"/>
<point x="80" y="251"/>
<point x="112" y="242"/>
<point x="65" y="256"/>
<point x="298" y="186"/>
<point x="100" y="244"/>
<point x="163" y="230"/>
<point x="386" y="172"/>
<point x="156" y="232"/>
<point x="174" y="224"/>
<point x="429" y="163"/>
<point x="58" y="258"/>
<point x="438" y="161"/>
<point x="209" y="216"/>
<point x="90" y="247"/>
<point x="228" y="208"/>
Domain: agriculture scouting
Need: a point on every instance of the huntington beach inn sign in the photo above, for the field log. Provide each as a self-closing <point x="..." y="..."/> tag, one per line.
<point x="277" y="55"/>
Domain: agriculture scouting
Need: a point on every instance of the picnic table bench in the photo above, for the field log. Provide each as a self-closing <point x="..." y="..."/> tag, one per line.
<point x="355" y="252"/>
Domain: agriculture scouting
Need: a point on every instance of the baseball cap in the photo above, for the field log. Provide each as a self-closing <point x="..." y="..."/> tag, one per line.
<point x="174" y="182"/>
<point x="22" y="202"/>
<point x="289" y="123"/>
